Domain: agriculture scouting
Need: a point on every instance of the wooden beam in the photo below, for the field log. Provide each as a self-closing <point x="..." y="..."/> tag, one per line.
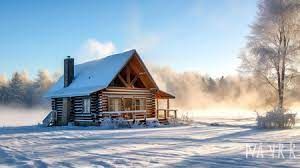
<point x="122" y="80"/>
<point x="168" y="104"/>
<point x="168" y="107"/>
<point x="134" y="80"/>
<point x="128" y="74"/>
<point x="137" y="69"/>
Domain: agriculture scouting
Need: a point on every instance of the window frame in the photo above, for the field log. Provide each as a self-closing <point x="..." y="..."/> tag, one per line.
<point x="111" y="105"/>
<point x="122" y="103"/>
<point x="142" y="103"/>
<point x="86" y="105"/>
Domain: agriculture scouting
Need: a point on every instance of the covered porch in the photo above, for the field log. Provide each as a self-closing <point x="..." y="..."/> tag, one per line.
<point x="163" y="110"/>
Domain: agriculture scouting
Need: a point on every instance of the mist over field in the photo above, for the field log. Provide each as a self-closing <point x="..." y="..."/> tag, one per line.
<point x="21" y="116"/>
<point x="195" y="91"/>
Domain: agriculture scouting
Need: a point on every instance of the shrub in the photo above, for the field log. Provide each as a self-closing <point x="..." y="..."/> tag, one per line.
<point x="112" y="123"/>
<point x="152" y="123"/>
<point x="185" y="119"/>
<point x="277" y="118"/>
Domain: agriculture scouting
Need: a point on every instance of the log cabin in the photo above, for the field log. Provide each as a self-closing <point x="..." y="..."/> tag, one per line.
<point x="116" y="86"/>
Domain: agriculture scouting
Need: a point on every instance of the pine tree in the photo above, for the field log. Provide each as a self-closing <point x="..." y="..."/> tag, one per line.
<point x="17" y="89"/>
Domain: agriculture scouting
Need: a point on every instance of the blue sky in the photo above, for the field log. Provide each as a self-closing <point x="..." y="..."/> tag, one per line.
<point x="202" y="35"/>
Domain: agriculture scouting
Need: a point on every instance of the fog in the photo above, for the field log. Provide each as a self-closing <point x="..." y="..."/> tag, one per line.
<point x="196" y="91"/>
<point x="21" y="116"/>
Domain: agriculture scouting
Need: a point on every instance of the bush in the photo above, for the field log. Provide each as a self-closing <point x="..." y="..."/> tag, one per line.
<point x="152" y="123"/>
<point x="185" y="119"/>
<point x="113" y="123"/>
<point x="277" y="118"/>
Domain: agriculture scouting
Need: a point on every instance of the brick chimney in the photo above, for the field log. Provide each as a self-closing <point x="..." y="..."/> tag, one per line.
<point x="68" y="78"/>
<point x="68" y="71"/>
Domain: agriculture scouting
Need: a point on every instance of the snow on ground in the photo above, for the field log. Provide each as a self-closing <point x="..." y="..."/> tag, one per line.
<point x="196" y="145"/>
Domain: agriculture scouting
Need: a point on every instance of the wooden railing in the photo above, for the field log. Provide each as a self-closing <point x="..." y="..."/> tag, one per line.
<point x="165" y="113"/>
<point x="128" y="115"/>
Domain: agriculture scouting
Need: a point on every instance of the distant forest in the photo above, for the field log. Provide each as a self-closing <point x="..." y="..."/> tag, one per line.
<point x="22" y="91"/>
<point x="196" y="91"/>
<point x="192" y="89"/>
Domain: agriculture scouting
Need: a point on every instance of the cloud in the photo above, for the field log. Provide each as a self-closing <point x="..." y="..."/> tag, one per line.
<point x="94" y="49"/>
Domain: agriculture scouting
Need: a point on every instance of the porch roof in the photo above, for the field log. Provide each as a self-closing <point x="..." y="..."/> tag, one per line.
<point x="163" y="95"/>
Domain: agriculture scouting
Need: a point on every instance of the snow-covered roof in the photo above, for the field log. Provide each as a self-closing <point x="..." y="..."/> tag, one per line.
<point x="91" y="76"/>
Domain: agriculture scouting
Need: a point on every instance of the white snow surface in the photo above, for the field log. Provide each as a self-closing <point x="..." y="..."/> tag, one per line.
<point x="91" y="76"/>
<point x="196" y="145"/>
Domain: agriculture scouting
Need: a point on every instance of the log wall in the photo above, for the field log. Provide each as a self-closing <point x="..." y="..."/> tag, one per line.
<point x="79" y="115"/>
<point x="57" y="105"/>
<point x="99" y="103"/>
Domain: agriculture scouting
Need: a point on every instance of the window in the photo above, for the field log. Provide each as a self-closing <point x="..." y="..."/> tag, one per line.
<point x="86" y="105"/>
<point x="140" y="104"/>
<point x="128" y="104"/>
<point x="115" y="104"/>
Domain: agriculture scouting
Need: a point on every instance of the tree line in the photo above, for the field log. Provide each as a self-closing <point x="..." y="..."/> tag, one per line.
<point x="23" y="91"/>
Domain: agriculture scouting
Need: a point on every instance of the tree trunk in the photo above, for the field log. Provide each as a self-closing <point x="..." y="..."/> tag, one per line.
<point x="279" y="89"/>
<point x="282" y="85"/>
<point x="280" y="104"/>
<point x="283" y="67"/>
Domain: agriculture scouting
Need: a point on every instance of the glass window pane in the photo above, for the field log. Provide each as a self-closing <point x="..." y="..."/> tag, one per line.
<point x="86" y="105"/>
<point x="128" y="105"/>
<point x="114" y="104"/>
<point x="140" y="104"/>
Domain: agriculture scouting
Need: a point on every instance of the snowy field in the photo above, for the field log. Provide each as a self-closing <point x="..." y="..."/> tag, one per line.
<point x="196" y="145"/>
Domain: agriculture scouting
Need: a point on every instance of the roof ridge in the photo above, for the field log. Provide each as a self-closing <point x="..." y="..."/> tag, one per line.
<point x="105" y="57"/>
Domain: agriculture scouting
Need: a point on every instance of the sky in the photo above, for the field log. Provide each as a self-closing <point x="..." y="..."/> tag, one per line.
<point x="205" y="36"/>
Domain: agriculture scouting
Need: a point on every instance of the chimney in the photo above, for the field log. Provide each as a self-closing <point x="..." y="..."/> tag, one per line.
<point x="68" y="78"/>
<point x="68" y="71"/>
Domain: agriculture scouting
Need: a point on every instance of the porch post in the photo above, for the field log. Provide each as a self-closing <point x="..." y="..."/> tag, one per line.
<point x="156" y="111"/>
<point x="66" y="111"/>
<point x="168" y="107"/>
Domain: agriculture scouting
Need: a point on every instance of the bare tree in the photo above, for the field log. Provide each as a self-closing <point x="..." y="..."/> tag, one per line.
<point x="273" y="47"/>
